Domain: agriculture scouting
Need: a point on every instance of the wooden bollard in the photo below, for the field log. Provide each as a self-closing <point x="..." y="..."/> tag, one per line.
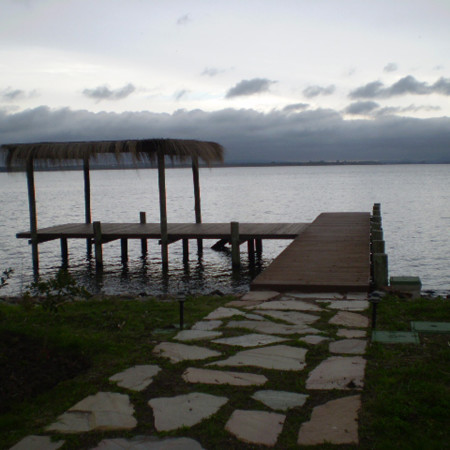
<point x="64" y="252"/>
<point x="98" y="244"/>
<point x="235" y="256"/>
<point x="380" y="270"/>
<point x="124" y="249"/>
<point x="142" y="220"/>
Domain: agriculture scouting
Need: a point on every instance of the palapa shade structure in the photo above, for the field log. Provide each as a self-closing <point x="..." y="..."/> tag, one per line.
<point x="25" y="156"/>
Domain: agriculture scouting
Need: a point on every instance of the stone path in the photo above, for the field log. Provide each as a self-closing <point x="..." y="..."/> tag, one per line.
<point x="277" y="331"/>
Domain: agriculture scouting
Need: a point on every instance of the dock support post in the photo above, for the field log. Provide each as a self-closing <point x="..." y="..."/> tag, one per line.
<point x="380" y="270"/>
<point x="87" y="200"/>
<point x="64" y="252"/>
<point x="235" y="257"/>
<point x="143" y="219"/>
<point x="259" y="246"/>
<point x="163" y="210"/>
<point x="98" y="244"/>
<point x="124" y="249"/>
<point x="185" y="250"/>
<point x="198" y="207"/>
<point x="33" y="216"/>
<point x="251" y="250"/>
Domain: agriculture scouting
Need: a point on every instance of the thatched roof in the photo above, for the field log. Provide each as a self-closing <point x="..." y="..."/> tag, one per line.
<point x="144" y="150"/>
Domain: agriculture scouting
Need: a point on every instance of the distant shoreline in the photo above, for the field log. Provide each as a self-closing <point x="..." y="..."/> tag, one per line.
<point x="130" y="166"/>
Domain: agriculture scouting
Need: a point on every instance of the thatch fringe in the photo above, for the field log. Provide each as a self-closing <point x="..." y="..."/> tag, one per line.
<point x="145" y="150"/>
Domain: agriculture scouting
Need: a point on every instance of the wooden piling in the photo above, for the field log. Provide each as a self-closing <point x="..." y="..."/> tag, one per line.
<point x="87" y="200"/>
<point x="377" y="235"/>
<point x="163" y="210"/>
<point x="380" y="270"/>
<point x="33" y="216"/>
<point x="259" y="246"/>
<point x="378" y="247"/>
<point x="144" y="248"/>
<point x="235" y="256"/>
<point x="98" y="244"/>
<point x="185" y="250"/>
<point x="197" y="199"/>
<point x="124" y="250"/>
<point x="251" y="250"/>
<point x="64" y="252"/>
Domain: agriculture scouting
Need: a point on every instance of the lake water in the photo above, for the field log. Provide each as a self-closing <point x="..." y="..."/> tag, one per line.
<point x="415" y="205"/>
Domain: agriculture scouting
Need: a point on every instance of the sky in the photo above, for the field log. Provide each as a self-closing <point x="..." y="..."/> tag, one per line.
<point x="278" y="80"/>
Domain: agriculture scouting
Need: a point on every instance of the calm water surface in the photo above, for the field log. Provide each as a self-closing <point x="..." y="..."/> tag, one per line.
<point x="415" y="203"/>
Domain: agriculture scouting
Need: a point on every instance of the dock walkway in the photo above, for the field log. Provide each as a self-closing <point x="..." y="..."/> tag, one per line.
<point x="331" y="255"/>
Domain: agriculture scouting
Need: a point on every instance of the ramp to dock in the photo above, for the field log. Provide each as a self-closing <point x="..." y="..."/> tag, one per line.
<point x="331" y="255"/>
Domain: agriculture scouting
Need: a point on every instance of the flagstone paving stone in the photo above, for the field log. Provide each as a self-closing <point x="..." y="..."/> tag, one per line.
<point x="343" y="332"/>
<point x="149" y="443"/>
<point x="313" y="339"/>
<point x="34" y="442"/>
<point x="136" y="378"/>
<point x="259" y="295"/>
<point x="102" y="411"/>
<point x="256" y="427"/>
<point x="335" y="422"/>
<point x="223" y="313"/>
<point x="293" y="317"/>
<point x="280" y="400"/>
<point x="281" y="357"/>
<point x="181" y="352"/>
<point x="207" y="325"/>
<point x="208" y="376"/>
<point x="171" y="413"/>
<point x="271" y="327"/>
<point x="316" y="295"/>
<point x="289" y="305"/>
<point x="349" y="319"/>
<point x="338" y="372"/>
<point x="356" y="296"/>
<point x="250" y="340"/>
<point x="349" y="346"/>
<point x="243" y="303"/>
<point x="196" y="335"/>
<point x="347" y="305"/>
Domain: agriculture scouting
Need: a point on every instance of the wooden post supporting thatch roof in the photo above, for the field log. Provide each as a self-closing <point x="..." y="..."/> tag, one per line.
<point x="25" y="156"/>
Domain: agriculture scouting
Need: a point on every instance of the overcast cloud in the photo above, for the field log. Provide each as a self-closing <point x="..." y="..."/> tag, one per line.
<point x="105" y="93"/>
<point x="250" y="87"/>
<point x="391" y="67"/>
<point x="314" y="91"/>
<point x="248" y="135"/>
<point x="404" y="86"/>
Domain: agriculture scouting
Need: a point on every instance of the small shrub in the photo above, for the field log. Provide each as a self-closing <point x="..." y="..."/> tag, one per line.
<point x="55" y="292"/>
<point x="6" y="275"/>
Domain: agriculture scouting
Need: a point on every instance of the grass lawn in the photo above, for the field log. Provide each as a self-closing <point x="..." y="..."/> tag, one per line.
<point x="406" y="398"/>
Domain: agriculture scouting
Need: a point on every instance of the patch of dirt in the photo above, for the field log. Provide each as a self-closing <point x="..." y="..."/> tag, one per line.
<point x="28" y="369"/>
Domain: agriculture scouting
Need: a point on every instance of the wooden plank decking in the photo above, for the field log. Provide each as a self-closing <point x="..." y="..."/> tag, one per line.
<point x="111" y="231"/>
<point x="331" y="255"/>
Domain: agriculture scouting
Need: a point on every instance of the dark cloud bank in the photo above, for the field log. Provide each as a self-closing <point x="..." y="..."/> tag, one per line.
<point x="248" y="135"/>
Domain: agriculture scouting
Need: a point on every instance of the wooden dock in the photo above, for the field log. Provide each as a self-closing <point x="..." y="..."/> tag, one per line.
<point x="331" y="255"/>
<point x="175" y="231"/>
